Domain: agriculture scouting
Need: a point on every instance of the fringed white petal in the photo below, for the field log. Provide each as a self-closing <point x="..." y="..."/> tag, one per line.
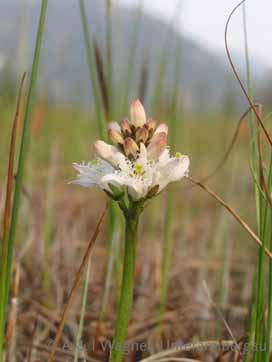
<point x="90" y="174"/>
<point x="172" y="170"/>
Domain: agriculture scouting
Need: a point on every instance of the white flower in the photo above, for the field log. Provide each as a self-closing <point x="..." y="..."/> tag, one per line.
<point x="139" y="176"/>
<point x="140" y="162"/>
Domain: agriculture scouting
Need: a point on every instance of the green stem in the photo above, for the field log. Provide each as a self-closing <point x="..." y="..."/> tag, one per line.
<point x="126" y="296"/>
<point x="7" y="253"/>
<point x="92" y="71"/>
<point x="82" y="313"/>
<point x="110" y="71"/>
<point x="167" y="250"/>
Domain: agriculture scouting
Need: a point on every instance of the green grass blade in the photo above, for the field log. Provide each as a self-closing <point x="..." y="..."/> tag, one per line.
<point x="93" y="72"/>
<point x="163" y="59"/>
<point x="167" y="234"/>
<point x="82" y="312"/>
<point x="110" y="72"/>
<point x="7" y="267"/>
<point x="101" y="120"/>
<point x="262" y="214"/>
<point x="132" y="55"/>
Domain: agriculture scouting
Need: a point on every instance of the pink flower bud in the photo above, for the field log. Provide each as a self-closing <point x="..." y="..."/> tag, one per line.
<point x="114" y="126"/>
<point x="157" y="145"/>
<point x="107" y="152"/>
<point x="151" y="124"/>
<point x="142" y="135"/>
<point x="102" y="149"/>
<point x="130" y="147"/>
<point x="162" y="128"/>
<point x="137" y="114"/>
<point x="115" y="137"/>
<point x="125" y="127"/>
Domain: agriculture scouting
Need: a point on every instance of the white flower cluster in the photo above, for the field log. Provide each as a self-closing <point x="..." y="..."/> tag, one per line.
<point x="139" y="161"/>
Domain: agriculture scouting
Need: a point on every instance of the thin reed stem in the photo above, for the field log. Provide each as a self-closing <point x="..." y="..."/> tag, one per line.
<point x="233" y="213"/>
<point x="167" y="234"/>
<point x="132" y="55"/>
<point x="7" y="219"/>
<point x="82" y="313"/>
<point x="110" y="71"/>
<point x="163" y="58"/>
<point x="7" y="267"/>
<point x="235" y="72"/>
<point x="102" y="127"/>
<point x="92" y="71"/>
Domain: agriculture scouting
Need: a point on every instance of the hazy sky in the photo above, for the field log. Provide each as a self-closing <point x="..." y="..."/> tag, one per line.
<point x="204" y="20"/>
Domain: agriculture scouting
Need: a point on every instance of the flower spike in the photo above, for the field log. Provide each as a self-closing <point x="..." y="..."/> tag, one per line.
<point x="139" y="160"/>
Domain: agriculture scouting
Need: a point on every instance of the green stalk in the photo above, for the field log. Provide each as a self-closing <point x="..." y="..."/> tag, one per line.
<point x="110" y="71"/>
<point x="258" y="311"/>
<point x="269" y="312"/>
<point x="6" y="266"/>
<point x="167" y="237"/>
<point x="102" y="127"/>
<point x="82" y="312"/>
<point x="254" y="153"/>
<point x="259" y="328"/>
<point x="126" y="296"/>
<point x="93" y="73"/>
<point x="132" y="57"/>
<point x="113" y="253"/>
<point x="167" y="250"/>
<point x="160" y="77"/>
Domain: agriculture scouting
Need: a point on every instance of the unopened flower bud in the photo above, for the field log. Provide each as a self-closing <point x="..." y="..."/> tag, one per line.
<point x="106" y="152"/>
<point x="114" y="126"/>
<point x="102" y="149"/>
<point x="157" y="145"/>
<point x="137" y="114"/>
<point x="130" y="147"/>
<point x="142" y="135"/>
<point x="151" y="124"/>
<point x="162" y="128"/>
<point x="125" y="127"/>
<point x="115" y="137"/>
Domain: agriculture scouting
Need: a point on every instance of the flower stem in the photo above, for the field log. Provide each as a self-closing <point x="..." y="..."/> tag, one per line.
<point x="126" y="296"/>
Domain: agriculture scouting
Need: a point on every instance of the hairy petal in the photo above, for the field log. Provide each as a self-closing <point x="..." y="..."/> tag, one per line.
<point x="173" y="170"/>
<point x="89" y="175"/>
